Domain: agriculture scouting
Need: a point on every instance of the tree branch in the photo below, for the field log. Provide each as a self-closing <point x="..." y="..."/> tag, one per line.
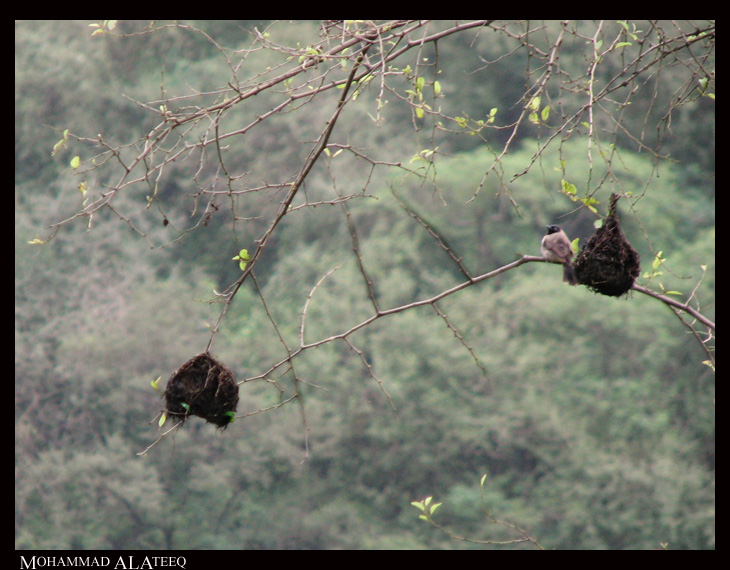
<point x="676" y="304"/>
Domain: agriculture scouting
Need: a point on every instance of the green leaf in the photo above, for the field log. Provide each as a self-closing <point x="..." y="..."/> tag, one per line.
<point x="437" y="87"/>
<point x="243" y="258"/>
<point x="163" y="419"/>
<point x="545" y="113"/>
<point x="75" y="162"/>
<point x="658" y="259"/>
<point x="60" y="144"/>
<point x="590" y="204"/>
<point x="568" y="188"/>
<point x="155" y="384"/>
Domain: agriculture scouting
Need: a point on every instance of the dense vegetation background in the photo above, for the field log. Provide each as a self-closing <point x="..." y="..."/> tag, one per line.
<point x="593" y="417"/>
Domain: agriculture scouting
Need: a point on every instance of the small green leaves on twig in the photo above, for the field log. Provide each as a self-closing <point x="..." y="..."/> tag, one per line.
<point x="330" y="154"/>
<point x="83" y="188"/>
<point x="243" y="258"/>
<point x="104" y="27"/>
<point x="704" y="81"/>
<point x="474" y="126"/>
<point x="572" y="192"/>
<point x="534" y="106"/>
<point x="426" y="154"/>
<point x="426" y="508"/>
<point x="518" y="534"/>
<point x="60" y="145"/>
<point x="656" y="265"/>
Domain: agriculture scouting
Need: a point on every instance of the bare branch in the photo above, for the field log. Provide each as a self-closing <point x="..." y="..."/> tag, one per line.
<point x="684" y="307"/>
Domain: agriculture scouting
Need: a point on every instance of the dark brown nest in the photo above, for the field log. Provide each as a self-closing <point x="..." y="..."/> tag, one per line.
<point x="205" y="388"/>
<point x="607" y="263"/>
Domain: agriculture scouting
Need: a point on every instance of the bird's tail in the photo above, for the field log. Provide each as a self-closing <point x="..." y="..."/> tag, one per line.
<point x="568" y="276"/>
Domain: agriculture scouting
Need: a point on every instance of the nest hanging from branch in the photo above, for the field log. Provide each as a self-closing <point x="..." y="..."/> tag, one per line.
<point x="607" y="263"/>
<point x="205" y="388"/>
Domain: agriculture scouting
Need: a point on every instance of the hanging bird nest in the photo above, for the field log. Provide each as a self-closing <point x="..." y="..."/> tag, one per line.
<point x="607" y="263"/>
<point x="205" y="388"/>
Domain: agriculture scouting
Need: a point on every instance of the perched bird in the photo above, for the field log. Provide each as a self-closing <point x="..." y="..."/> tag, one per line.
<point x="555" y="247"/>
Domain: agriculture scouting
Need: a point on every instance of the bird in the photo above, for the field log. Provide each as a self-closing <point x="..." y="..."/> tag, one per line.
<point x="556" y="248"/>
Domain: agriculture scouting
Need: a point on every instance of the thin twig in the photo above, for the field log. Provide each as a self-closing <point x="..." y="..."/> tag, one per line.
<point x="674" y="303"/>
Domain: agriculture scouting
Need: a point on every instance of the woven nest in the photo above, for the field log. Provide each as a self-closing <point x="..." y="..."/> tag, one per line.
<point x="205" y="388"/>
<point x="607" y="263"/>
